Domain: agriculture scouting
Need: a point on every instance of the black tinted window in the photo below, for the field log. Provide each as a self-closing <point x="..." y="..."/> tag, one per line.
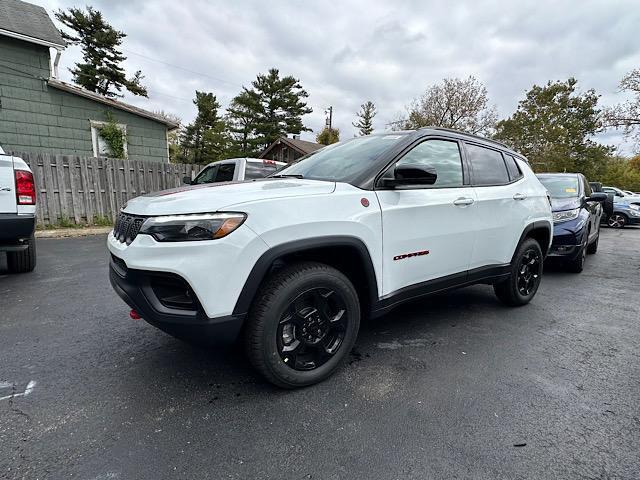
<point x="259" y="170"/>
<point x="512" y="167"/>
<point x="487" y="165"/>
<point x="444" y="156"/>
<point x="225" y="172"/>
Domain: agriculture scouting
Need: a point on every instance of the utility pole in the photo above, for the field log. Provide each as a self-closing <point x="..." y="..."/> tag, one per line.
<point x="328" y="121"/>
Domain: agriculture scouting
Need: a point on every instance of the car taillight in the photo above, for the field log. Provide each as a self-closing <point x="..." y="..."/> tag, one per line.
<point x="25" y="188"/>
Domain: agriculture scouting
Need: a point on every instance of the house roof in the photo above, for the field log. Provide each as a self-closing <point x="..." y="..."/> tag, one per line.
<point x="67" y="87"/>
<point x="28" y="22"/>
<point x="301" y="146"/>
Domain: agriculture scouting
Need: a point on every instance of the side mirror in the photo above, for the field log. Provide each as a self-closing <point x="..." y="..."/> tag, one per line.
<point x="596" y="197"/>
<point x="187" y="180"/>
<point x="412" y="174"/>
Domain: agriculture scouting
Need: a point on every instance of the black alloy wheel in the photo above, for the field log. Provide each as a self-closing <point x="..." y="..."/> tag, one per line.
<point x="529" y="272"/>
<point x="525" y="275"/>
<point x="312" y="329"/>
<point x="302" y="324"/>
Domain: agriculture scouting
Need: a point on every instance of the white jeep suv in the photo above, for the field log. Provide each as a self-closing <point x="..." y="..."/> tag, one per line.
<point x="291" y="263"/>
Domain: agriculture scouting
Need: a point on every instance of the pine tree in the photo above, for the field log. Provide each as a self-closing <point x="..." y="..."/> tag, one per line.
<point x="205" y="139"/>
<point x="101" y="70"/>
<point x="272" y="108"/>
<point x="365" y="116"/>
<point x="241" y="122"/>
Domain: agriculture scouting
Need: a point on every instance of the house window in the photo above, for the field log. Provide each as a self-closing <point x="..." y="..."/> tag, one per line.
<point x="100" y="146"/>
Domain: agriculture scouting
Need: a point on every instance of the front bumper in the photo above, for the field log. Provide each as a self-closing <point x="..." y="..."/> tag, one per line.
<point x="568" y="238"/>
<point x="213" y="272"/>
<point x="138" y="290"/>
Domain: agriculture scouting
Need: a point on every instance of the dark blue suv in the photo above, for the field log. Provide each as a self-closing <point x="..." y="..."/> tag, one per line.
<point x="576" y="217"/>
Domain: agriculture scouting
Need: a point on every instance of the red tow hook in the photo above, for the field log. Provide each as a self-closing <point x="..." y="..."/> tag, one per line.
<point x="134" y="315"/>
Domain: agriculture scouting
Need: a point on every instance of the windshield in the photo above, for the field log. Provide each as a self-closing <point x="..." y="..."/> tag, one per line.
<point x="344" y="161"/>
<point x="561" y="186"/>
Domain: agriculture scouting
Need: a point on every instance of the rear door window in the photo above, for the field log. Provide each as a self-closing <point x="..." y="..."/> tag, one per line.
<point x="512" y="168"/>
<point x="225" y="172"/>
<point x="487" y="166"/>
<point x="260" y="170"/>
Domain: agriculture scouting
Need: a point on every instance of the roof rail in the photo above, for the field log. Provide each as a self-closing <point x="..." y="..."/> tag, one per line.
<point x="472" y="135"/>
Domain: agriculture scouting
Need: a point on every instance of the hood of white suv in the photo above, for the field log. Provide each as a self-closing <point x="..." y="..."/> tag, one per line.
<point x="213" y="197"/>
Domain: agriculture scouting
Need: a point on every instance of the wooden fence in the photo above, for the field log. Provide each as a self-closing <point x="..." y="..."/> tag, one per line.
<point x="83" y="190"/>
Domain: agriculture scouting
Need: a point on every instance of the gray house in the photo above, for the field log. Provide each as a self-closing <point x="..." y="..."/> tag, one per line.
<point x="40" y="113"/>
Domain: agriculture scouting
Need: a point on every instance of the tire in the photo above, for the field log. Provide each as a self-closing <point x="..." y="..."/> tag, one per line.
<point x="24" y="260"/>
<point x="577" y="264"/>
<point x="301" y="300"/>
<point x="593" y="246"/>
<point x="522" y="284"/>
<point x="617" y="220"/>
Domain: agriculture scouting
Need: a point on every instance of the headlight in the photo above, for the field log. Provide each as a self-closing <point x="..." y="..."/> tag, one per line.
<point x="199" y="226"/>
<point x="565" y="215"/>
<point x="634" y="206"/>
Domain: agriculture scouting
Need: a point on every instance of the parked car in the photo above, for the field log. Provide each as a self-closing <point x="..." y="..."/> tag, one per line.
<point x="620" y="195"/>
<point x="235" y="170"/>
<point x="17" y="213"/>
<point x="623" y="214"/>
<point x="291" y="263"/>
<point x="577" y="212"/>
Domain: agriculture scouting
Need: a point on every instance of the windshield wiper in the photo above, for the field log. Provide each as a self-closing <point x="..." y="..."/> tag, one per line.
<point x="287" y="175"/>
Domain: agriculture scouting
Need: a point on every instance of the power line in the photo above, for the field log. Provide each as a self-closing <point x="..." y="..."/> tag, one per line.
<point x="182" y="68"/>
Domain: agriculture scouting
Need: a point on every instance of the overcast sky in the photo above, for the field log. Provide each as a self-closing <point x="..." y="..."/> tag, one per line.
<point x="388" y="52"/>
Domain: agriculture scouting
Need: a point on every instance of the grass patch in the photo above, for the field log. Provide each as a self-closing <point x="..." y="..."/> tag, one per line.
<point x="67" y="223"/>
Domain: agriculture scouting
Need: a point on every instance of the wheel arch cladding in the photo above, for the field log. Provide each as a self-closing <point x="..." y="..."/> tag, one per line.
<point x="347" y="254"/>
<point x="539" y="231"/>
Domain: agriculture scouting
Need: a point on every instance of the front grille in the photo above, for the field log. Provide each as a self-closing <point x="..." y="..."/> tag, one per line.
<point x="127" y="227"/>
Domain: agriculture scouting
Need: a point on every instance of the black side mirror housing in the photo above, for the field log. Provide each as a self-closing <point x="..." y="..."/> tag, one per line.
<point x="187" y="180"/>
<point x="412" y="174"/>
<point x="596" y="197"/>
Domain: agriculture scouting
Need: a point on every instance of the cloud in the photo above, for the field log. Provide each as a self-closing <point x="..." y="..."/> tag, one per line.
<point x="388" y="52"/>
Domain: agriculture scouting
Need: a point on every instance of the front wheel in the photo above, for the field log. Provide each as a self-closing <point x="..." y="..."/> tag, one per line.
<point x="593" y="246"/>
<point x="577" y="264"/>
<point x="617" y="220"/>
<point x="525" y="275"/>
<point x="302" y="325"/>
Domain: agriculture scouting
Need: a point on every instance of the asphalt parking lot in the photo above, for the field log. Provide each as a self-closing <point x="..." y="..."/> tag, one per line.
<point x="456" y="386"/>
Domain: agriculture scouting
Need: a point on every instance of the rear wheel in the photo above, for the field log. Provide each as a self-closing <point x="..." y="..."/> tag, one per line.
<point x="24" y="260"/>
<point x="302" y="325"/>
<point x="617" y="220"/>
<point x="525" y="275"/>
